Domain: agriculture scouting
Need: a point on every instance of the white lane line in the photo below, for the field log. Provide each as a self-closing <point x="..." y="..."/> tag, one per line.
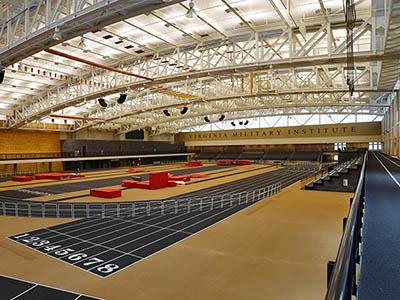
<point x="384" y="156"/>
<point x="168" y="235"/>
<point x="32" y="287"/>
<point x="169" y="246"/>
<point x="50" y="287"/>
<point x="390" y="174"/>
<point x="93" y="245"/>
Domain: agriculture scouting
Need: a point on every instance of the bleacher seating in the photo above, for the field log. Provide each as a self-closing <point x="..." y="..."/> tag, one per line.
<point x="228" y="155"/>
<point x="252" y="155"/>
<point x="207" y="155"/>
<point x="277" y="155"/>
<point x="335" y="171"/>
<point x="306" y="156"/>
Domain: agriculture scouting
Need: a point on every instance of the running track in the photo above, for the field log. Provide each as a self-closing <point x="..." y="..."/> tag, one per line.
<point x="380" y="250"/>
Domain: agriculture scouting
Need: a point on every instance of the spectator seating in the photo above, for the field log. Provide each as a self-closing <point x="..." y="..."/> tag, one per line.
<point x="207" y="155"/>
<point x="252" y="155"/>
<point x="306" y="156"/>
<point x="277" y="155"/>
<point x="228" y="155"/>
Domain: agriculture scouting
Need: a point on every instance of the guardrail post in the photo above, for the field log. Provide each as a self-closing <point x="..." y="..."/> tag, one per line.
<point x="73" y="211"/>
<point x="118" y="210"/>
<point x="87" y="210"/>
<point x="43" y="207"/>
<point x="176" y="207"/>
<point x="29" y="210"/>
<point x="201" y="204"/>
<point x="57" y="211"/>
<point x="148" y="208"/>
<point x="162" y="208"/>
<point x="103" y="211"/>
<point x="16" y="209"/>
<point x="133" y="209"/>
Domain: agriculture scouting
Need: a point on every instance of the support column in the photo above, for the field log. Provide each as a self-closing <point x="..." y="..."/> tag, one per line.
<point x="50" y="166"/>
<point x="15" y="169"/>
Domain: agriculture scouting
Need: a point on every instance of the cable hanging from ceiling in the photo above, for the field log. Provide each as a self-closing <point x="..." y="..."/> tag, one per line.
<point x="350" y="18"/>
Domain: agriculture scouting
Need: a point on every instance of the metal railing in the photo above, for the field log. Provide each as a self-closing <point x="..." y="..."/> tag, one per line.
<point x="8" y="156"/>
<point x="342" y="283"/>
<point x="329" y="171"/>
<point x="137" y="208"/>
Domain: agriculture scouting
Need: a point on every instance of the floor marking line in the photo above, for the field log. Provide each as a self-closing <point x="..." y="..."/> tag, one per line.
<point x="32" y="287"/>
<point x="147" y="257"/>
<point x="133" y="224"/>
<point x="384" y="156"/>
<point x="390" y="174"/>
<point x="50" y="287"/>
<point x="94" y="244"/>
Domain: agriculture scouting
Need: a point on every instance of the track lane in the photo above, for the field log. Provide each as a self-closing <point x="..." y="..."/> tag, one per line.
<point x="380" y="263"/>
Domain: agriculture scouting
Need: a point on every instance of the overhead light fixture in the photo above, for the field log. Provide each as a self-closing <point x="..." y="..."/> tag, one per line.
<point x="2" y="72"/>
<point x="82" y="43"/>
<point x="247" y="122"/>
<point x="184" y="110"/>
<point x="102" y="102"/>
<point x="190" y="12"/>
<point x="233" y="123"/>
<point x="240" y="122"/>
<point x="57" y="35"/>
<point x="222" y="117"/>
<point x="166" y="112"/>
<point x="207" y="119"/>
<point x="122" y="98"/>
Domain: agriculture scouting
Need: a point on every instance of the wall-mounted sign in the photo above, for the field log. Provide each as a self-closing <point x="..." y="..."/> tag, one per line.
<point x="317" y="131"/>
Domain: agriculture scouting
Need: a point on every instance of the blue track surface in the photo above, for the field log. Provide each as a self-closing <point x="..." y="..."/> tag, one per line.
<point x="380" y="257"/>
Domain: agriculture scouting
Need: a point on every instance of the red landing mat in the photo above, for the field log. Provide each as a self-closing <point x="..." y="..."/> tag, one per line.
<point x="197" y="175"/>
<point x="105" y="193"/>
<point x="193" y="164"/>
<point x="129" y="183"/>
<point x="242" y="162"/>
<point x="179" y="178"/>
<point x="21" y="178"/>
<point x="57" y="176"/>
<point x="225" y="162"/>
<point x="143" y="185"/>
<point x="133" y="170"/>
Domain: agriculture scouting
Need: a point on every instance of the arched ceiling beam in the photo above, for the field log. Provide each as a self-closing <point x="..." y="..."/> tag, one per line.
<point x="71" y="20"/>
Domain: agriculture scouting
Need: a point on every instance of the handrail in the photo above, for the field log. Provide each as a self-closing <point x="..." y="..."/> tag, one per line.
<point x="342" y="281"/>
<point x="133" y="208"/>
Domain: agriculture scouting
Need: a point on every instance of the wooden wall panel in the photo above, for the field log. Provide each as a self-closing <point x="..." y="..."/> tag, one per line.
<point x="29" y="141"/>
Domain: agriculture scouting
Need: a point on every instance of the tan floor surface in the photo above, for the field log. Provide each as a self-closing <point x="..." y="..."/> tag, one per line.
<point x="276" y="249"/>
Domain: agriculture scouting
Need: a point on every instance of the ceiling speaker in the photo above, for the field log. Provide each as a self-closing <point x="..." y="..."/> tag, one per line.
<point x="122" y="98"/>
<point x="102" y="102"/>
<point x="184" y="110"/>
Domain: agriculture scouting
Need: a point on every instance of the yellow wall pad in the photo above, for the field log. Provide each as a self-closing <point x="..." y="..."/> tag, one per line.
<point x="276" y="249"/>
<point x="143" y="194"/>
